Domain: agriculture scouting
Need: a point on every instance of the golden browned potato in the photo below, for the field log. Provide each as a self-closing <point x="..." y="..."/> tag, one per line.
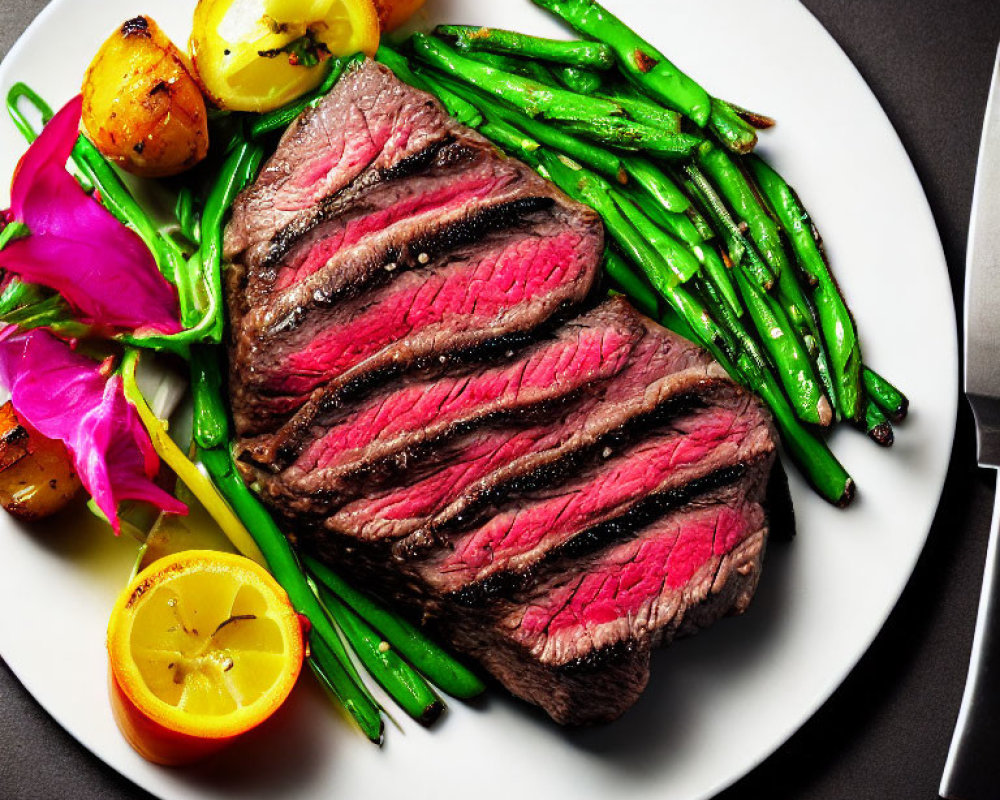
<point x="37" y="478"/>
<point x="141" y="107"/>
<point x="393" y="13"/>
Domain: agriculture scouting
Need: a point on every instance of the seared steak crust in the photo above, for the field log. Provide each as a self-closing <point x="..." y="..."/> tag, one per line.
<point x="428" y="393"/>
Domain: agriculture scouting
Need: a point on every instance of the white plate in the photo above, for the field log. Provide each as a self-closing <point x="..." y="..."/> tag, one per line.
<point x="719" y="703"/>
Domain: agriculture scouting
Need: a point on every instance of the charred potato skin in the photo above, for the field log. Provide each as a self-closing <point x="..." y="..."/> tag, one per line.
<point x="141" y="106"/>
<point x="37" y="478"/>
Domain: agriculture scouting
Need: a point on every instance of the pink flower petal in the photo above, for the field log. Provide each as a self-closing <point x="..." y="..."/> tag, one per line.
<point x="64" y="395"/>
<point x="102" y="284"/>
<point x="103" y="269"/>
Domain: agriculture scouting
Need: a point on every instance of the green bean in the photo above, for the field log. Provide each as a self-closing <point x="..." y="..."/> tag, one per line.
<point x="428" y="658"/>
<point x="581" y="81"/>
<point x="759" y="121"/>
<point x="877" y="424"/>
<point x="187" y="216"/>
<point x="836" y="321"/>
<point x="892" y="401"/>
<point x="633" y="286"/>
<point x="211" y="420"/>
<point x="517" y="66"/>
<point x="740" y="251"/>
<point x="332" y="674"/>
<point x="403" y="684"/>
<point x="597" y="158"/>
<point x="637" y="58"/>
<point x="813" y="457"/>
<point x="656" y="183"/>
<point x="739" y="194"/>
<point x="681" y="226"/>
<point x="680" y="260"/>
<point x="794" y="366"/>
<point x="730" y="128"/>
<point x="592" y="117"/>
<point x="583" y="55"/>
<point x="643" y="109"/>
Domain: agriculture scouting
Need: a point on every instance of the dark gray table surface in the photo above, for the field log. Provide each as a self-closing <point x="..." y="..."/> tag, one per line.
<point x="884" y="734"/>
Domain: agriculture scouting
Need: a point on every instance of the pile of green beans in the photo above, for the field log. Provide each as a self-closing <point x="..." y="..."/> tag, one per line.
<point x="705" y="236"/>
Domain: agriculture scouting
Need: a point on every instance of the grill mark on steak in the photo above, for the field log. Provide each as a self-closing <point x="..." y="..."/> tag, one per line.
<point x="370" y="121"/>
<point x="257" y="409"/>
<point x="378" y="199"/>
<point x="452" y="305"/>
<point x="592" y="347"/>
<point x="526" y="530"/>
<point x="482" y="465"/>
<point x="559" y="643"/>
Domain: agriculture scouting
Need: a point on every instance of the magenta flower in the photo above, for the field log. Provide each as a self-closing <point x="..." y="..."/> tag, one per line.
<point x="75" y="246"/>
<point x="67" y="396"/>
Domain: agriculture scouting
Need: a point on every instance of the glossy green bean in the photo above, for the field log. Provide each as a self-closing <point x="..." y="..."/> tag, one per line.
<point x="637" y="58"/>
<point x="401" y="682"/>
<point x="580" y="54"/>
<point x="432" y="661"/>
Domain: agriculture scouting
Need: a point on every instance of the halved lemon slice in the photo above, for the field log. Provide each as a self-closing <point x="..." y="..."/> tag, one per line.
<point x="202" y="646"/>
<point x="258" y="55"/>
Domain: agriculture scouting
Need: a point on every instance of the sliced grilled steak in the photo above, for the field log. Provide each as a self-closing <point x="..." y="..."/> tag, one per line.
<point x="460" y="175"/>
<point x="650" y="473"/>
<point x="553" y="497"/>
<point x="371" y="215"/>
<point x="371" y="122"/>
<point x="502" y="284"/>
<point x="663" y="370"/>
<point x="402" y="417"/>
<point x="578" y="642"/>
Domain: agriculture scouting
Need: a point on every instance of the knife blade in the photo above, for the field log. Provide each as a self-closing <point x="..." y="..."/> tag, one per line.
<point x="972" y="771"/>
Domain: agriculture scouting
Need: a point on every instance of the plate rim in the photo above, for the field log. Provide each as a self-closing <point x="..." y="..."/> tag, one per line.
<point x="823" y="695"/>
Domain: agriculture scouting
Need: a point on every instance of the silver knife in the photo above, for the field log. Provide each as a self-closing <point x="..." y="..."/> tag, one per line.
<point x="972" y="771"/>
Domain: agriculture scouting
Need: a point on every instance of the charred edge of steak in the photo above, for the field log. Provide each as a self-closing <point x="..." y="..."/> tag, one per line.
<point x="389" y="467"/>
<point x="328" y="401"/>
<point x="647" y="511"/>
<point x="550" y="474"/>
<point x="419" y="251"/>
<point x="285" y="239"/>
<point x="292" y="433"/>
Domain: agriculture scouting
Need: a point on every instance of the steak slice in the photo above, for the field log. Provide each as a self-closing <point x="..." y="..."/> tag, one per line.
<point x="400" y="418"/>
<point x="654" y="471"/>
<point x="456" y="175"/>
<point x="368" y="217"/>
<point x="578" y="642"/>
<point x="370" y="121"/>
<point x="500" y="285"/>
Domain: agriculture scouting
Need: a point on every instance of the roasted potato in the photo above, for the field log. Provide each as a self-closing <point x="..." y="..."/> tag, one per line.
<point x="37" y="478"/>
<point x="393" y="13"/>
<point x="141" y="106"/>
<point x="258" y="55"/>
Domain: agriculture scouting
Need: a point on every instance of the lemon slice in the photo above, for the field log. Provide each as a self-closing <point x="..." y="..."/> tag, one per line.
<point x="258" y="55"/>
<point x="203" y="646"/>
